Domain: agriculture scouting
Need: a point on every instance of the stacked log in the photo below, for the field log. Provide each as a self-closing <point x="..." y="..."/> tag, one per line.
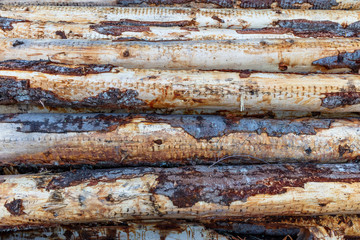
<point x="179" y="119"/>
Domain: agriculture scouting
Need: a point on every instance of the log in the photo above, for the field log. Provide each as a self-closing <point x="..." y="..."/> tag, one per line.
<point x="257" y="4"/>
<point x="345" y="225"/>
<point x="341" y="20"/>
<point x="51" y="30"/>
<point x="131" y="231"/>
<point x="30" y="26"/>
<point x="273" y="55"/>
<point x="126" y="139"/>
<point x="192" y="193"/>
<point x="43" y="83"/>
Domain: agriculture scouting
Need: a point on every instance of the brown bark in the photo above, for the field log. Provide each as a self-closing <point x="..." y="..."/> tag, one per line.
<point x="125" y="139"/>
<point x="257" y="4"/>
<point x="179" y="193"/>
<point x="130" y="231"/>
<point x="43" y="83"/>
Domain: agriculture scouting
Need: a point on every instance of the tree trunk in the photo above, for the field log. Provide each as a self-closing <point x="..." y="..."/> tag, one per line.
<point x="292" y="55"/>
<point x="341" y="22"/>
<point x="42" y="83"/>
<point x="125" y="139"/>
<point x="130" y="231"/>
<point x="179" y="193"/>
<point x="262" y="4"/>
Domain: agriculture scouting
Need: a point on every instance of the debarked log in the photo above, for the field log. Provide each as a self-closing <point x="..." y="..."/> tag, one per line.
<point x="279" y="26"/>
<point x="185" y="193"/>
<point x="347" y="225"/>
<point x="273" y="55"/>
<point x="111" y="31"/>
<point x="126" y="139"/>
<point x="47" y="84"/>
<point x="257" y="4"/>
<point x="182" y="17"/>
<point x="130" y="231"/>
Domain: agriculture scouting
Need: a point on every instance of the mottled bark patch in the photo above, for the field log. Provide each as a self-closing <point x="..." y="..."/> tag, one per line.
<point x="92" y="177"/>
<point x="306" y="28"/>
<point x="200" y="127"/>
<point x="136" y="23"/>
<point x="46" y="66"/>
<point x="340" y="99"/>
<point x="207" y="127"/>
<point x="15" y="207"/>
<point x="117" y="30"/>
<point x="14" y="91"/>
<point x="183" y="3"/>
<point x="288" y="4"/>
<point x="6" y="24"/>
<point x="349" y="60"/>
<point x="224" y="185"/>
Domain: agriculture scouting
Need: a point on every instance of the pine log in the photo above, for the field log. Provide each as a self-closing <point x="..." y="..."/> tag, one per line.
<point x="43" y="83"/>
<point x="257" y="4"/>
<point x="341" y="20"/>
<point x="52" y="30"/>
<point x="192" y="193"/>
<point x="274" y="55"/>
<point x="126" y="139"/>
<point x="131" y="231"/>
<point x="341" y="225"/>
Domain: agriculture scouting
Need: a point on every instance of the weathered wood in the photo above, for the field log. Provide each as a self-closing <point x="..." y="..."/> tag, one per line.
<point x="341" y="225"/>
<point x="125" y="139"/>
<point x="183" y="17"/>
<point x="131" y="231"/>
<point x="274" y="55"/>
<point x="51" y="30"/>
<point x="42" y="83"/>
<point x="257" y="4"/>
<point x="185" y="193"/>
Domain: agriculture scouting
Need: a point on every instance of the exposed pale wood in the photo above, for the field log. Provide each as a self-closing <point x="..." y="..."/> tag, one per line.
<point x="287" y="55"/>
<point x="185" y="193"/>
<point x="154" y="139"/>
<point x="46" y="84"/>
<point x="52" y="30"/>
<point x="261" y="4"/>
<point x="224" y="18"/>
<point x="131" y="231"/>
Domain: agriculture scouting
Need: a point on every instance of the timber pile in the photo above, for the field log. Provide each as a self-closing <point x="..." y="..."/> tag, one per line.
<point x="186" y="119"/>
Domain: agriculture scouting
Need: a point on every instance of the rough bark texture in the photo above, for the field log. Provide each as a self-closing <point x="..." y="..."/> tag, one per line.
<point x="131" y="231"/>
<point x="46" y="84"/>
<point x="184" y="193"/>
<point x="262" y="4"/>
<point x="182" y="17"/>
<point x="125" y="139"/>
<point x="174" y="31"/>
<point x="274" y="55"/>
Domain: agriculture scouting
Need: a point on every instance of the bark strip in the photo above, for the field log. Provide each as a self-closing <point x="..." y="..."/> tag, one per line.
<point x="273" y="55"/>
<point x="47" y="84"/>
<point x="125" y="139"/>
<point x="185" y="193"/>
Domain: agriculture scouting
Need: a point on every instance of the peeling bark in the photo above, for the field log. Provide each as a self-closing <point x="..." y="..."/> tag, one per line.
<point x="171" y="17"/>
<point x="183" y="193"/>
<point x="43" y="83"/>
<point x="130" y="231"/>
<point x="125" y="139"/>
<point x="262" y="4"/>
<point x="298" y="55"/>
